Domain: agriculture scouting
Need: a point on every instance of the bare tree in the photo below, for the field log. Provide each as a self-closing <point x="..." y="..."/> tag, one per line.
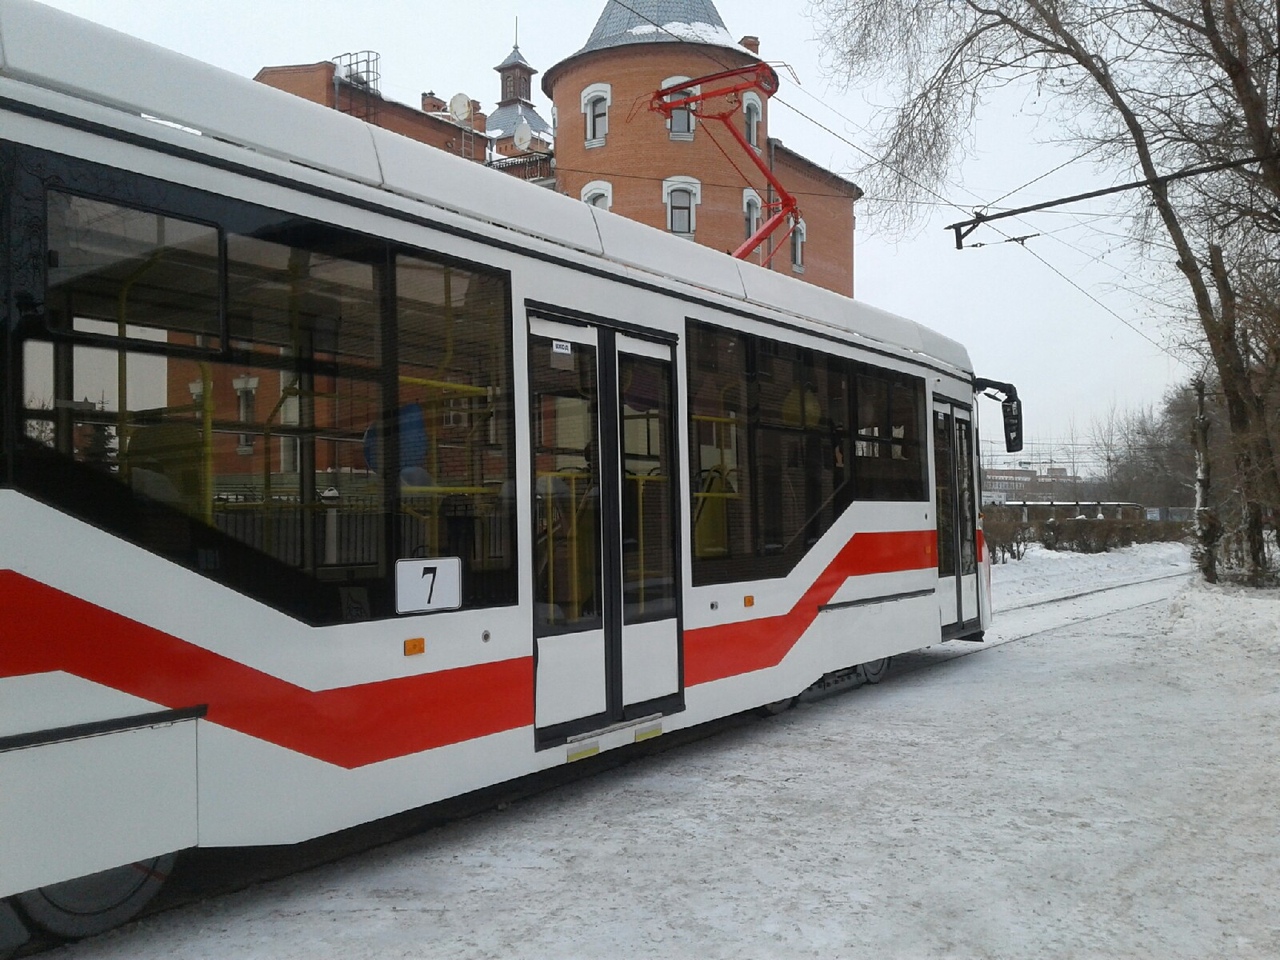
<point x="1151" y="87"/>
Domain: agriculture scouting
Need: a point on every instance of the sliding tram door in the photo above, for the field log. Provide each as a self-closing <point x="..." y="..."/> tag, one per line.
<point x="607" y="532"/>
<point x="957" y="518"/>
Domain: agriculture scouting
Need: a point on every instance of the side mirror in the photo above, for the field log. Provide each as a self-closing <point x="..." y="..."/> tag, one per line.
<point x="1012" y="410"/>
<point x="1010" y="405"/>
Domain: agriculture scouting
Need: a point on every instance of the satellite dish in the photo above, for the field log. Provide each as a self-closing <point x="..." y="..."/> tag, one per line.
<point x="460" y="107"/>
<point x="523" y="135"/>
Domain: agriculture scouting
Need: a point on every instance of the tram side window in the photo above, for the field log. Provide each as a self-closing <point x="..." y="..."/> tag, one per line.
<point x="118" y="264"/>
<point x="456" y="444"/>
<point x="888" y="455"/>
<point x="722" y="483"/>
<point x="249" y="436"/>
<point x="794" y="436"/>
<point x="782" y="440"/>
<point x="289" y="415"/>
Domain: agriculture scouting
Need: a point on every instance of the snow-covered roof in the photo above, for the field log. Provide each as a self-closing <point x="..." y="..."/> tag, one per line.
<point x="502" y="122"/>
<point x="659" y="21"/>
<point x="515" y="59"/>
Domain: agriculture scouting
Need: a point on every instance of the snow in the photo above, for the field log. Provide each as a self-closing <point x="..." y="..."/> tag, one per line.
<point x="1096" y="781"/>
<point x="693" y="32"/>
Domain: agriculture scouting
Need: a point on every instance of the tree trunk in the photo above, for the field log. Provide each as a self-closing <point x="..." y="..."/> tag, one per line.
<point x="1208" y="529"/>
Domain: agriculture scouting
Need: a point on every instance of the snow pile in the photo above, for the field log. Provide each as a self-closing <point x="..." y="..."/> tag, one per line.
<point x="1238" y="622"/>
<point x="1044" y="575"/>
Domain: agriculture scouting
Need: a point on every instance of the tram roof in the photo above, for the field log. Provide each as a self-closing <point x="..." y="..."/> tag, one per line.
<point x="66" y="55"/>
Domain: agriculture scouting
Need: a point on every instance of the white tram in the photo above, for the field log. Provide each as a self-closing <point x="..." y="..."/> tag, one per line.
<point x="341" y="475"/>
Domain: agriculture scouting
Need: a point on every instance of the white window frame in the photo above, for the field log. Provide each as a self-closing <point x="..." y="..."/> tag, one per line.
<point x="694" y="186"/>
<point x="692" y="89"/>
<point x="598" y="188"/>
<point x="591" y="94"/>
<point x="749" y="197"/>
<point x="752" y="131"/>
<point x="798" y="238"/>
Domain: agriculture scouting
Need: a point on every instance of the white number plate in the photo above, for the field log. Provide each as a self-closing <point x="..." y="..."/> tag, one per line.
<point x="427" y="585"/>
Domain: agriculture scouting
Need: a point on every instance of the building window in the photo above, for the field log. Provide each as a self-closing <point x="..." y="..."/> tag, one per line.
<point x="751" y="114"/>
<point x="682" y="196"/>
<point x="680" y="204"/>
<point x="598" y="193"/>
<point x="595" y="111"/>
<point x="682" y="121"/>
<point x="751" y="208"/>
<point x="797" y="247"/>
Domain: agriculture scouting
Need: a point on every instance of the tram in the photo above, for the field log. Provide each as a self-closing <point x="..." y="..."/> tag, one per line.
<point x="342" y="475"/>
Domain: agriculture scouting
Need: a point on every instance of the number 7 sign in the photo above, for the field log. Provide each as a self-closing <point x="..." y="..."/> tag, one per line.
<point x="427" y="585"/>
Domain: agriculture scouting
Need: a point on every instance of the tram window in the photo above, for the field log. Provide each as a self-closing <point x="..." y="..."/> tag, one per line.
<point x="944" y="484"/>
<point x="247" y="434"/>
<point x="311" y="293"/>
<point x="648" y="554"/>
<point x="457" y="461"/>
<point x="793" y="473"/>
<point x="783" y="439"/>
<point x="888" y="455"/>
<point x="113" y="263"/>
<point x="722" y="484"/>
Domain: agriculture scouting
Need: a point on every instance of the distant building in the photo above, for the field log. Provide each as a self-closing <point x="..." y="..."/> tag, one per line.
<point x="350" y="84"/>
<point x="1001" y="485"/>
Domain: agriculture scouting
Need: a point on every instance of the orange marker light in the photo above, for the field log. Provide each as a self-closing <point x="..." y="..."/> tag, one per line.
<point x="415" y="646"/>
<point x="748" y="601"/>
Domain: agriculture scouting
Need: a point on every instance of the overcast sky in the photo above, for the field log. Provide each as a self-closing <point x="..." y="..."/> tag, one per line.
<point x="1049" y="316"/>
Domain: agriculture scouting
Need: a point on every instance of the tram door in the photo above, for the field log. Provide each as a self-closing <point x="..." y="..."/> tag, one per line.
<point x="606" y="538"/>
<point x="957" y="518"/>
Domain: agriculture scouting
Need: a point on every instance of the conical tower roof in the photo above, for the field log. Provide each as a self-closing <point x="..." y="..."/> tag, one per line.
<point x="655" y="21"/>
<point x="658" y="21"/>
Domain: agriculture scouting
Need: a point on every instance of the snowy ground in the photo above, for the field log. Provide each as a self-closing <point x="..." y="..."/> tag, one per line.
<point x="1098" y="781"/>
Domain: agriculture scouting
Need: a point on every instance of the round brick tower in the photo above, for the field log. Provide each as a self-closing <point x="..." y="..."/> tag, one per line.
<point x="612" y="150"/>
<point x="687" y="175"/>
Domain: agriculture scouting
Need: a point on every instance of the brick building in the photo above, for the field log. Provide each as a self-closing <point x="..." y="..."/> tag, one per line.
<point x="614" y="152"/>
<point x="350" y="84"/>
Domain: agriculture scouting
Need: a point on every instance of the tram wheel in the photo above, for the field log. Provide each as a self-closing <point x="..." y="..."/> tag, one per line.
<point x="777" y="707"/>
<point x="94" y="904"/>
<point x="874" y="670"/>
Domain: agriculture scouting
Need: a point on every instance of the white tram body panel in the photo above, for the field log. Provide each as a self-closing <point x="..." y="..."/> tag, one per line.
<point x="147" y="707"/>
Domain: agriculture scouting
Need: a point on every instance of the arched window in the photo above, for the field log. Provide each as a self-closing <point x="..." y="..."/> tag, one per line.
<point x="598" y="193"/>
<point x="751" y="207"/>
<point x="597" y="118"/>
<point x="680" y="204"/>
<point x="752" y="112"/>
<point x="595" y="110"/>
<point x="682" y="117"/>
<point x="683" y="120"/>
<point x="682" y="196"/>
<point x="797" y="248"/>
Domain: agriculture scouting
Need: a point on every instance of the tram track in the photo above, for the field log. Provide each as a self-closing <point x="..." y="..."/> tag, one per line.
<point x="953" y="650"/>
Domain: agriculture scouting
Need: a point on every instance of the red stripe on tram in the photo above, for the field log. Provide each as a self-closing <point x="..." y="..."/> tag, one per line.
<point x="726" y="650"/>
<point x="45" y="629"/>
<point x="48" y="630"/>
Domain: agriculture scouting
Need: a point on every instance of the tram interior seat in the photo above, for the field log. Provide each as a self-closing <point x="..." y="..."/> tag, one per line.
<point x="711" y="516"/>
